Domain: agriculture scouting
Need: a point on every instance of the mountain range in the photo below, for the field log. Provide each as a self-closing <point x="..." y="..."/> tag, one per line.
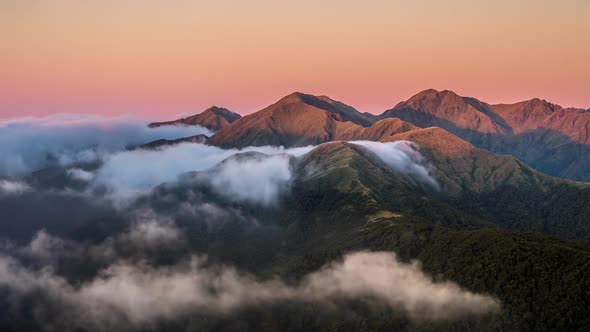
<point x="548" y="137"/>
<point x="552" y="139"/>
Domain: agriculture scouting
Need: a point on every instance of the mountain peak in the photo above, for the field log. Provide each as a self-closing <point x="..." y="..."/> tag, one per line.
<point x="448" y="110"/>
<point x="541" y="103"/>
<point x="295" y="95"/>
<point x="528" y="114"/>
<point x="223" y="112"/>
<point x="295" y="120"/>
<point x="433" y="93"/>
<point x="337" y="110"/>
<point x="213" y="118"/>
<point x="309" y="99"/>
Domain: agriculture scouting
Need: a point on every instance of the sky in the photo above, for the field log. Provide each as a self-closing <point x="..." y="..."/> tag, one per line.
<point x="164" y="58"/>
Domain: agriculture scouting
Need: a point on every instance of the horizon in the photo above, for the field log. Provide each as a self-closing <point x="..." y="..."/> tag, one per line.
<point x="156" y="59"/>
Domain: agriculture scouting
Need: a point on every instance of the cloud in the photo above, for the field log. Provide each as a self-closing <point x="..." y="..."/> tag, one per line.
<point x="8" y="187"/>
<point x="257" y="180"/>
<point x="404" y="157"/>
<point x="127" y="174"/>
<point x="45" y="246"/>
<point x="148" y="238"/>
<point x="152" y="233"/>
<point x="212" y="214"/>
<point x="35" y="143"/>
<point x="140" y="294"/>
<point x="80" y="174"/>
<point x="381" y="276"/>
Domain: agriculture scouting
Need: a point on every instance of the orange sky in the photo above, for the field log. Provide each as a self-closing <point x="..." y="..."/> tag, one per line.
<point x="161" y="58"/>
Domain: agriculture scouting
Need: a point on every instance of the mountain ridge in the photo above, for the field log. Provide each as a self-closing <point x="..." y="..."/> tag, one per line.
<point x="552" y="139"/>
<point x="295" y="120"/>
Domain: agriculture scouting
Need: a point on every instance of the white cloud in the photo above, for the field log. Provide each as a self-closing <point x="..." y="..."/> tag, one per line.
<point x="141" y="294"/>
<point x="35" y="143"/>
<point x="404" y="157"/>
<point x="8" y="187"/>
<point x="45" y="245"/>
<point x="80" y="174"/>
<point x="381" y="276"/>
<point x="127" y="174"/>
<point x="255" y="180"/>
<point x="152" y="233"/>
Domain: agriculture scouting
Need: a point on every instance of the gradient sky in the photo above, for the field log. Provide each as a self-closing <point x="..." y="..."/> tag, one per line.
<point x="162" y="58"/>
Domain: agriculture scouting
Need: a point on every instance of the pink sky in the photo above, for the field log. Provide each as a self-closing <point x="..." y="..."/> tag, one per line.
<point x="163" y="58"/>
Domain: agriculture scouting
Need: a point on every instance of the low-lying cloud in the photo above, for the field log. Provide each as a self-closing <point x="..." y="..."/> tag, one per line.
<point x="126" y="174"/>
<point x="80" y="174"/>
<point x="10" y="187"/>
<point x="135" y="294"/>
<point x="29" y="144"/>
<point x="404" y="157"/>
<point x="255" y="180"/>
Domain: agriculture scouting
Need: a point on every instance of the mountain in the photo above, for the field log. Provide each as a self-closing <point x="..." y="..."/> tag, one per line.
<point x="540" y="114"/>
<point x="344" y="197"/>
<point x="213" y="118"/>
<point x="476" y="186"/>
<point x="552" y="139"/>
<point x="461" y="167"/>
<point x="445" y="109"/>
<point x="295" y="120"/>
<point x="473" y="234"/>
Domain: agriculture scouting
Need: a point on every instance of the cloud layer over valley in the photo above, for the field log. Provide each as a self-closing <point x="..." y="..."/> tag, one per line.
<point x="30" y="144"/>
<point x="134" y="293"/>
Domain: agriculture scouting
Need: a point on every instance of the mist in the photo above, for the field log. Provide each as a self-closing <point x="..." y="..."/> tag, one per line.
<point x="127" y="174"/>
<point x="135" y="294"/>
<point x="30" y="144"/>
<point x="404" y="157"/>
<point x="8" y="187"/>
